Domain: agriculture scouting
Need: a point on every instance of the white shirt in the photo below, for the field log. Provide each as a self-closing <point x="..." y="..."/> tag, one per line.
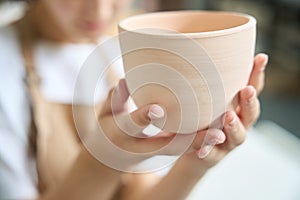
<point x="58" y="67"/>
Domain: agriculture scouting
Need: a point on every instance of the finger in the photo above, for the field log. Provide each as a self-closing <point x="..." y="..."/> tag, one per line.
<point x="249" y="106"/>
<point x="210" y="156"/>
<point x="123" y="132"/>
<point x="134" y="123"/>
<point x="191" y="141"/>
<point x="207" y="141"/>
<point x="119" y="97"/>
<point x="147" y="114"/>
<point x="116" y="99"/>
<point x="234" y="130"/>
<point x="164" y="134"/>
<point x="257" y="77"/>
<point x="260" y="62"/>
<point x="202" y="164"/>
<point x="205" y="150"/>
<point x="208" y="137"/>
<point x="210" y="153"/>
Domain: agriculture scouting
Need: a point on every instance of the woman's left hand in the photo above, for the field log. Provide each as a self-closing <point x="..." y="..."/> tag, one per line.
<point x="210" y="146"/>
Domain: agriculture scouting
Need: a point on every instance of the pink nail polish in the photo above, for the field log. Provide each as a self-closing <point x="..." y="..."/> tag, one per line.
<point x="153" y="116"/>
<point x="214" y="141"/>
<point x="204" y="151"/>
<point x="155" y="112"/>
<point x="232" y="125"/>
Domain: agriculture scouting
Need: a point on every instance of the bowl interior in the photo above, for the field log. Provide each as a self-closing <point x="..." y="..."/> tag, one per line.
<point x="185" y="21"/>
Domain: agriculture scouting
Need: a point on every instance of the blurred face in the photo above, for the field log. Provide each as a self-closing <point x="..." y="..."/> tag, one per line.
<point x="79" y="19"/>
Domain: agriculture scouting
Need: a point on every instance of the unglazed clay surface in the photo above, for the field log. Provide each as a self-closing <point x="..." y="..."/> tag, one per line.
<point x="193" y="63"/>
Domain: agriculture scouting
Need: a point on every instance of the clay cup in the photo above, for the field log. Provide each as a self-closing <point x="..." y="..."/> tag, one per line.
<point x="193" y="63"/>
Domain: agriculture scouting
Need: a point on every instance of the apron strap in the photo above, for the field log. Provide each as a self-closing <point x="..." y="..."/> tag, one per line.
<point x="26" y="36"/>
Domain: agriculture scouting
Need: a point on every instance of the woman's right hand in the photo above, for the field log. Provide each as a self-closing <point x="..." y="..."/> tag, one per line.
<point x="125" y="129"/>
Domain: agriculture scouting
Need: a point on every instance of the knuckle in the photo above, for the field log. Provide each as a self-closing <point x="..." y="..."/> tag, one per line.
<point x="240" y="140"/>
<point x="251" y="114"/>
<point x="236" y="141"/>
<point x="141" y="120"/>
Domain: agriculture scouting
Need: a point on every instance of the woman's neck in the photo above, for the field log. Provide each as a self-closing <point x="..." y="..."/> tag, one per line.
<point x="44" y="26"/>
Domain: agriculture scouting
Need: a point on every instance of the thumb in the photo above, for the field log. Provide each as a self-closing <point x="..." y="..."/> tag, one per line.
<point x="205" y="141"/>
<point x="134" y="123"/>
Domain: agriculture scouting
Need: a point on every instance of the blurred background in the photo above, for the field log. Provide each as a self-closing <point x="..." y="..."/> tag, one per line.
<point x="278" y="35"/>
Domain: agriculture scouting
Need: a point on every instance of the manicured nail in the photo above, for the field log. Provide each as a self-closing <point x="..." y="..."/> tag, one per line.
<point x="232" y="124"/>
<point x="231" y="118"/>
<point x="156" y="112"/>
<point x="214" y="141"/>
<point x="204" y="151"/>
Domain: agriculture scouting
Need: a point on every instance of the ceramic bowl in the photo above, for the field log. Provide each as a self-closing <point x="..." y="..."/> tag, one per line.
<point x="193" y="63"/>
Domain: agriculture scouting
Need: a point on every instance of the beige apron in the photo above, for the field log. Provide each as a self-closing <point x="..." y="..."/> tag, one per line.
<point x="53" y="130"/>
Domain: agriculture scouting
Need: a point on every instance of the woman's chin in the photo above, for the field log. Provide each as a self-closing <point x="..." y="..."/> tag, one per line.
<point x="86" y="37"/>
<point x="93" y="35"/>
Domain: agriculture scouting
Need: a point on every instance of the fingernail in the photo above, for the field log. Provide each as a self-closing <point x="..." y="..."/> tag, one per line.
<point x="156" y="112"/>
<point x="214" y="141"/>
<point x="231" y="118"/>
<point x="232" y="125"/>
<point x="204" y="151"/>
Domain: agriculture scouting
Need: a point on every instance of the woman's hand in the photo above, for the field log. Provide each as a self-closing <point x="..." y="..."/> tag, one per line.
<point x="125" y="129"/>
<point x="210" y="146"/>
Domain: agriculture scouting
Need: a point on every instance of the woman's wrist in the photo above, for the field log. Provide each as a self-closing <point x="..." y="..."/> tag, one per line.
<point x="192" y="171"/>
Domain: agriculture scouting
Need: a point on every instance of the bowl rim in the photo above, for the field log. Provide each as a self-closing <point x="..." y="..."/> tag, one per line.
<point x="251" y="23"/>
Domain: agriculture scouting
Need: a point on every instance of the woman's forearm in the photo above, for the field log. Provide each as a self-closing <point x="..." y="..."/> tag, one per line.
<point x="88" y="179"/>
<point x="176" y="185"/>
